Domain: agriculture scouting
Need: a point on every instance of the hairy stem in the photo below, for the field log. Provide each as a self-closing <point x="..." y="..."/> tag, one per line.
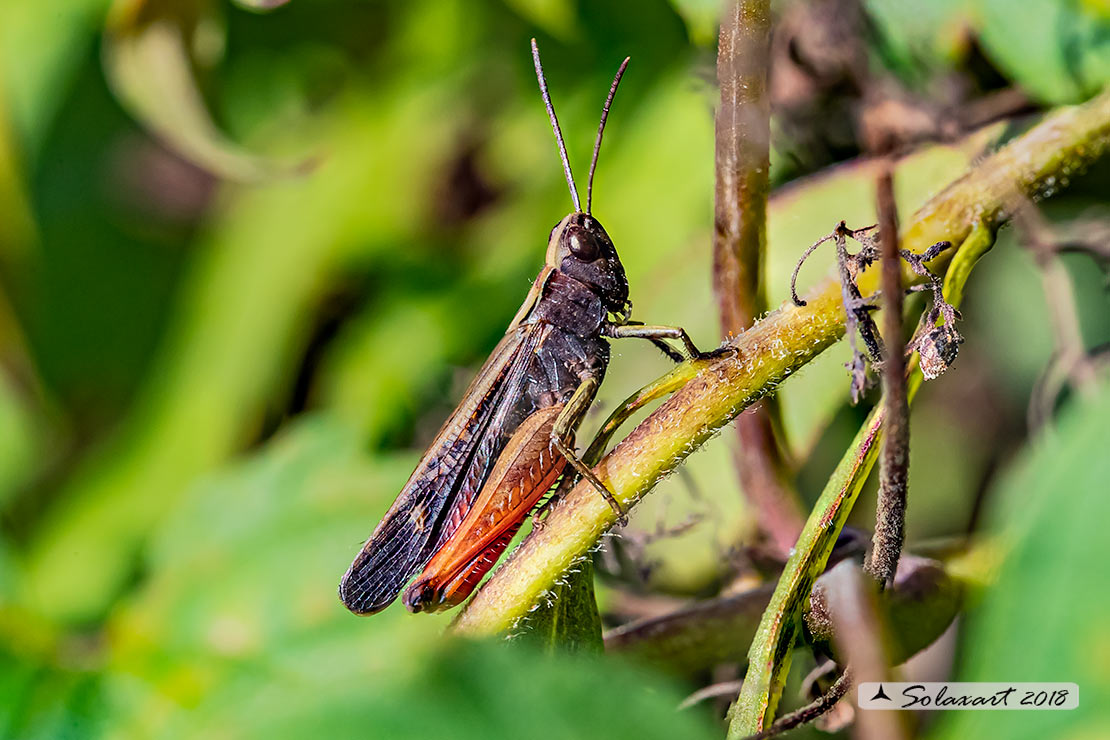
<point x="767" y="354"/>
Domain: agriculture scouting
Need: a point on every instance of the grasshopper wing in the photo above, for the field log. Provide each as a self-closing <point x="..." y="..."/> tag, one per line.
<point x="526" y="470"/>
<point x="446" y="481"/>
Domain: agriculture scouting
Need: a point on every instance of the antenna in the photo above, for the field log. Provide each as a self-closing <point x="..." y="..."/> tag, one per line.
<point x="555" y="126"/>
<point x="601" y="131"/>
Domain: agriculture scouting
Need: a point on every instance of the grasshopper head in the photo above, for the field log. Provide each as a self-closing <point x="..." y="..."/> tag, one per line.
<point x="578" y="246"/>
<point x="580" y="249"/>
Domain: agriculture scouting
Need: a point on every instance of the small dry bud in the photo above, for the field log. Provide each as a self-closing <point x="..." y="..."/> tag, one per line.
<point x="938" y="349"/>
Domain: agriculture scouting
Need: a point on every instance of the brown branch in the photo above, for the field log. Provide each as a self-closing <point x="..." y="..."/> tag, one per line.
<point x="743" y="135"/>
<point x="894" y="457"/>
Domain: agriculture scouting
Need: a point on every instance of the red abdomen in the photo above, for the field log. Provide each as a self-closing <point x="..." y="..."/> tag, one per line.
<point x="526" y="470"/>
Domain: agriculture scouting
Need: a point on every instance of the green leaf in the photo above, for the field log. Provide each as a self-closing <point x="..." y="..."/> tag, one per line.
<point x="461" y="690"/>
<point x="920" y="40"/>
<point x="148" y="50"/>
<point x="262" y="266"/>
<point x="251" y="560"/>
<point x="1045" y="619"/>
<point x="40" y="702"/>
<point x="239" y="622"/>
<point x="569" y="619"/>
<point x="1057" y="50"/>
<point x="42" y="45"/>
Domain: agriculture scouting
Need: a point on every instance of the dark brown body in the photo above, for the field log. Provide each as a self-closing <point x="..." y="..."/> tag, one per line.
<point x="553" y="348"/>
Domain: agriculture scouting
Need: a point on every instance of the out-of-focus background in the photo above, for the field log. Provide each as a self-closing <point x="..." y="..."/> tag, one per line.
<point x="249" y="260"/>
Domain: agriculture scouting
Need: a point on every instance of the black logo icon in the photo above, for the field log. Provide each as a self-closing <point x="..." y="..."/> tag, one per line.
<point x="880" y="694"/>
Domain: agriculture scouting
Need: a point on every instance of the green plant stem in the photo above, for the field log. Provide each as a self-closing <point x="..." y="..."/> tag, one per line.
<point x="767" y="354"/>
<point x="770" y="653"/>
<point x="679" y="376"/>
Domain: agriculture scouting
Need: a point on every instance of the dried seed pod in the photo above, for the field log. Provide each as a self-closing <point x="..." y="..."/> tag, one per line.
<point x="938" y="349"/>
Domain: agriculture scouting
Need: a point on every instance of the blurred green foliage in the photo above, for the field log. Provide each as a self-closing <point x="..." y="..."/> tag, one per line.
<point x="1045" y="620"/>
<point x="210" y="390"/>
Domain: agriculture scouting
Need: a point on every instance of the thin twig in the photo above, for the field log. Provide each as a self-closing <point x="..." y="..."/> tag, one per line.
<point x="809" y="712"/>
<point x="712" y="691"/>
<point x="1070" y="365"/>
<point x="857" y="309"/>
<point x="798" y="267"/>
<point x="894" y="461"/>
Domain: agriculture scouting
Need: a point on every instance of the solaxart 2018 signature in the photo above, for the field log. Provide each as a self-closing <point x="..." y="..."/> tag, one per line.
<point x="967" y="695"/>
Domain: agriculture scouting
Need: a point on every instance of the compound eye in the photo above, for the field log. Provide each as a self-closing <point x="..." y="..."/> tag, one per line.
<point x="582" y="245"/>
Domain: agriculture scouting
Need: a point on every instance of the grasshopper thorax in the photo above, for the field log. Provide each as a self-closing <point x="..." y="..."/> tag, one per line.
<point x="580" y="248"/>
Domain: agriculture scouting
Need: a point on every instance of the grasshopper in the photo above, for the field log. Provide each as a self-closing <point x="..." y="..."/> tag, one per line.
<point x="512" y="436"/>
